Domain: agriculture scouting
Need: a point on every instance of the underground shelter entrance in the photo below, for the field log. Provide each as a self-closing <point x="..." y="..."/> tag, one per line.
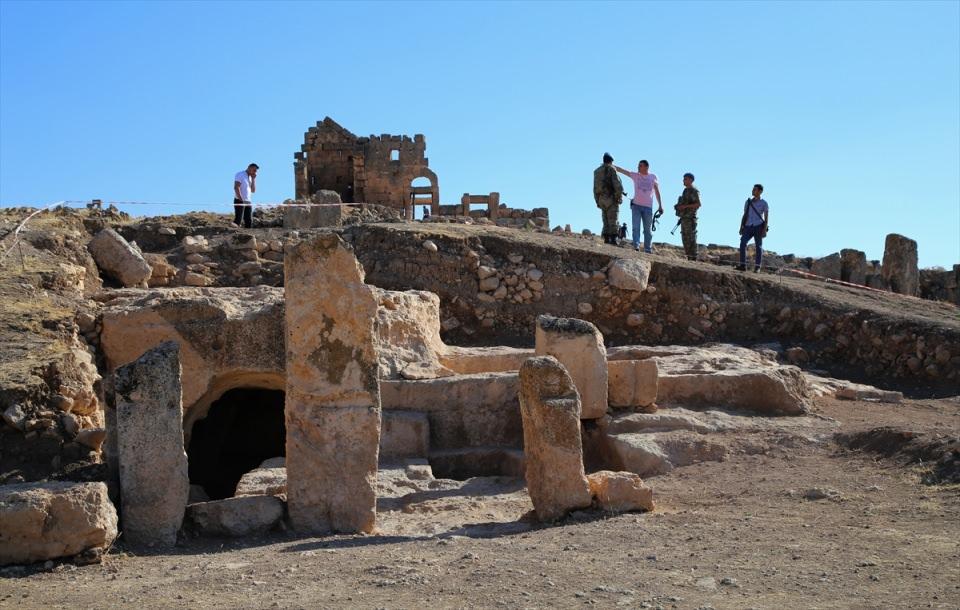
<point x="243" y="428"/>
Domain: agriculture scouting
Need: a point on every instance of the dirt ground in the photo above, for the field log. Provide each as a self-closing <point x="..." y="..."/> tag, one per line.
<point x="741" y="533"/>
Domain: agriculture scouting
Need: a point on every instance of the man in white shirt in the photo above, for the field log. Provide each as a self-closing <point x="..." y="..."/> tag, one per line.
<point x="244" y="183"/>
<point x="645" y="185"/>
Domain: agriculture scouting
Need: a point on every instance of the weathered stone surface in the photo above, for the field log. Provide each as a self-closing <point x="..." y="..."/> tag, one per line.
<point x="118" y="259"/>
<point x="40" y="521"/>
<point x="327" y="211"/>
<point x="828" y="267"/>
<point x="264" y="481"/>
<point x="853" y="266"/>
<point x="899" y="268"/>
<point x="154" y="485"/>
<point x="332" y="389"/>
<point x="551" y="438"/>
<point x="239" y="516"/>
<point x="629" y="274"/>
<point x="228" y="337"/>
<point x="464" y="411"/>
<point x="725" y="376"/>
<point x="653" y="454"/>
<point x="472" y="360"/>
<point x="404" y="434"/>
<point x="408" y="331"/>
<point x="578" y="345"/>
<point x="620" y="491"/>
<point x="632" y="383"/>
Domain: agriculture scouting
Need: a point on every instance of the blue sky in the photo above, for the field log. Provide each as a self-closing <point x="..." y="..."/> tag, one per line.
<point x="848" y="113"/>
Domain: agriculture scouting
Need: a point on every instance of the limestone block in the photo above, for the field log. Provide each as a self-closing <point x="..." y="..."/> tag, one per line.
<point x="632" y="383"/>
<point x="629" y="274"/>
<point x="828" y="267"/>
<point x="550" y="407"/>
<point x="118" y="259"/>
<point x="40" y="521"/>
<point x="620" y="491"/>
<point x="478" y="410"/>
<point x="404" y="434"/>
<point x="899" y="267"/>
<point x="332" y="389"/>
<point x="408" y="331"/>
<point x="154" y="485"/>
<point x="653" y="454"/>
<point x="331" y="469"/>
<point x="853" y="266"/>
<point x="239" y="516"/>
<point x="578" y="345"/>
<point x="328" y="213"/>
<point x="263" y="481"/>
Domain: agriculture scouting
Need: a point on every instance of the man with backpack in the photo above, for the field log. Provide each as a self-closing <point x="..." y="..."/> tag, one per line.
<point x="753" y="225"/>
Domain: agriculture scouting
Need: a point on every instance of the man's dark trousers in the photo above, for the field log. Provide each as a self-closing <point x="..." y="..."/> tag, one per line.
<point x="242" y="212"/>
<point x="753" y="232"/>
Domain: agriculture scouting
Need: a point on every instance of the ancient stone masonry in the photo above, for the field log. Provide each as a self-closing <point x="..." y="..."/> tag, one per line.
<point x="153" y="464"/>
<point x="376" y="169"/>
<point x="578" y="345"/>
<point x="551" y="437"/>
<point x="333" y="393"/>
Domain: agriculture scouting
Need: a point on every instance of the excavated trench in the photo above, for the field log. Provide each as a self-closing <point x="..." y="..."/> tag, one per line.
<point x="244" y="427"/>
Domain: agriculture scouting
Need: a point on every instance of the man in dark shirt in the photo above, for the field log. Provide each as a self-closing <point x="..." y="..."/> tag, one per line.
<point x="687" y="205"/>
<point x="608" y="193"/>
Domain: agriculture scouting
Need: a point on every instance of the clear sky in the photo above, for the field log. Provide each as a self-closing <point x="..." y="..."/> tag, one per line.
<point x="848" y="113"/>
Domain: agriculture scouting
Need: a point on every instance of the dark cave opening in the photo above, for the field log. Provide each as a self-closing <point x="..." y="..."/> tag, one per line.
<point x="243" y="428"/>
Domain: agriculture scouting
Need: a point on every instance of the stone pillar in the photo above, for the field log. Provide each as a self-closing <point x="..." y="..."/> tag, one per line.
<point x="550" y="408"/>
<point x="578" y="345"/>
<point x="154" y="484"/>
<point x="333" y="393"/>
<point x="853" y="266"/>
<point x="899" y="269"/>
<point x="465" y="204"/>
<point x="493" y="204"/>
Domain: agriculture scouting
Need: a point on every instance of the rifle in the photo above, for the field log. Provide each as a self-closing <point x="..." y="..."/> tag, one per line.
<point x="656" y="217"/>
<point x="674" y="230"/>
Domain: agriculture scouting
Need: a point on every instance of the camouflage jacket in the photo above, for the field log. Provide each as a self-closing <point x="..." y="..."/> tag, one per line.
<point x="690" y="196"/>
<point x="606" y="183"/>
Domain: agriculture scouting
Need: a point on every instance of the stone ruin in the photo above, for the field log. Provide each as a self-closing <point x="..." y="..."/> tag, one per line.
<point x="336" y="377"/>
<point x="375" y="169"/>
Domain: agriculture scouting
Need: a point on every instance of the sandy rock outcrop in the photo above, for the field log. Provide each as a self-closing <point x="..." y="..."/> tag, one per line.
<point x="578" y="345"/>
<point x="238" y="516"/>
<point x="119" y="259"/>
<point x="899" y="270"/>
<point x="332" y="389"/>
<point x="40" y="521"/>
<point x="154" y="485"/>
<point x="323" y="209"/>
<point x="620" y="492"/>
<point x="550" y="407"/>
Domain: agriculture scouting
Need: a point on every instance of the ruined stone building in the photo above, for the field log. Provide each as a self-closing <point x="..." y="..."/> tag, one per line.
<point x="386" y="170"/>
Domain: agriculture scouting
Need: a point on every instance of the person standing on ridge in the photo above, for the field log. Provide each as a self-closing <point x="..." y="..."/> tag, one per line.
<point x="244" y="183"/>
<point x="753" y="225"/>
<point x="687" y="205"/>
<point x="645" y="185"/>
<point x="608" y="193"/>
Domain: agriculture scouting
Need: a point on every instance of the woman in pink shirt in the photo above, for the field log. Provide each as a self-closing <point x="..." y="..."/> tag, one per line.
<point x="645" y="185"/>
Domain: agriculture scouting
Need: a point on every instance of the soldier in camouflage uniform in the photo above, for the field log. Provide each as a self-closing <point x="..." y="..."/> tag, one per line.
<point x="687" y="205"/>
<point x="608" y="193"/>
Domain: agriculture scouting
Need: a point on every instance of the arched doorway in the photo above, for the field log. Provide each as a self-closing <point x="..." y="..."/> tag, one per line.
<point x="242" y="428"/>
<point x="423" y="191"/>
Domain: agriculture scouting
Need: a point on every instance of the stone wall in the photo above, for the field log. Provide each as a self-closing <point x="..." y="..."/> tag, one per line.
<point x="683" y="304"/>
